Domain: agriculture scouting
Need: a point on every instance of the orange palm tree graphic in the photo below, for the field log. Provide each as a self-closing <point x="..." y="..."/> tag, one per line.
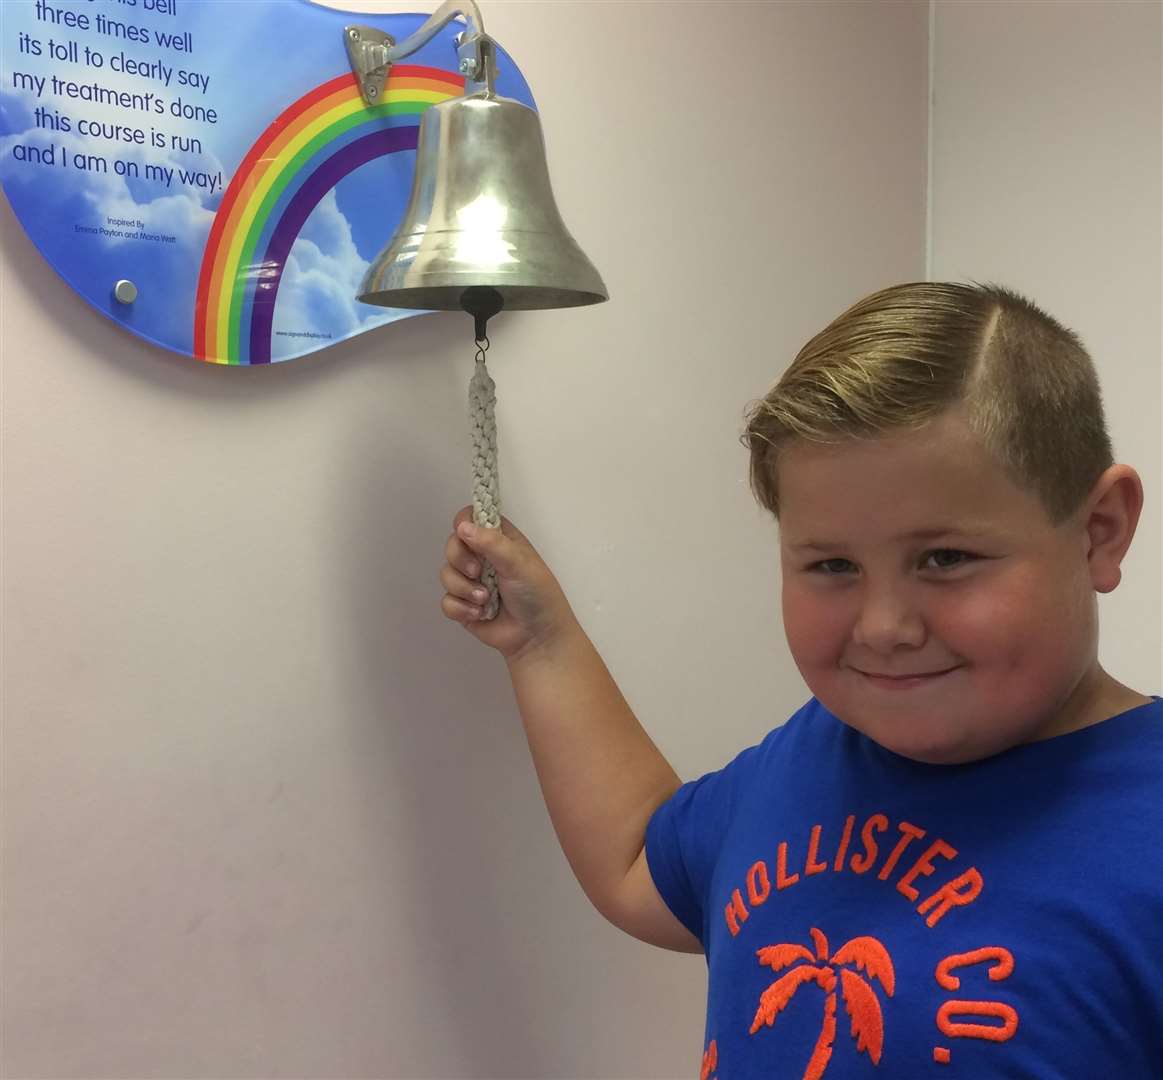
<point x="866" y="954"/>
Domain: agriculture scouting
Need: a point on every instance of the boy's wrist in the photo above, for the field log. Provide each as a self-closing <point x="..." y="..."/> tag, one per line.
<point x="547" y="645"/>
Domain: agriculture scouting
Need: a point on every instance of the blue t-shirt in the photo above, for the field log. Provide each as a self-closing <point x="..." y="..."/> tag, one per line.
<point x="868" y="916"/>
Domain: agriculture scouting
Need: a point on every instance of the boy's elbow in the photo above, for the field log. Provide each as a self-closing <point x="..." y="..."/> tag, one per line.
<point x="636" y="908"/>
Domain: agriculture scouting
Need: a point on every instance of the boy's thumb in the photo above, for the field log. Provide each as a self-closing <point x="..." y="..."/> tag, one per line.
<point x="483" y="540"/>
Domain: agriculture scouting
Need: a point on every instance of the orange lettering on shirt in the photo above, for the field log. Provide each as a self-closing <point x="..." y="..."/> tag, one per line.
<point x="909" y="833"/>
<point x="736" y="913"/>
<point x="959" y="892"/>
<point x="710" y="1061"/>
<point x="924" y="866"/>
<point x="1002" y="969"/>
<point x="782" y="881"/>
<point x="838" y="865"/>
<point x="1003" y="1012"/>
<point x="812" y="866"/>
<point x="758" y="885"/>
<point x="860" y="863"/>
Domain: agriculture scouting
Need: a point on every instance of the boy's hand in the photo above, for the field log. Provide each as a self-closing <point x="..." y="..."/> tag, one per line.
<point x="534" y="609"/>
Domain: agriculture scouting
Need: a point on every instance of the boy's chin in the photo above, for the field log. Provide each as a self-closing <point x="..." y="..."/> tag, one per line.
<point x="930" y="747"/>
<point x="941" y="755"/>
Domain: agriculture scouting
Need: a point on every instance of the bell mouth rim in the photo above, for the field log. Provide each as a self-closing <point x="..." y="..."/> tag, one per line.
<point x="516" y="297"/>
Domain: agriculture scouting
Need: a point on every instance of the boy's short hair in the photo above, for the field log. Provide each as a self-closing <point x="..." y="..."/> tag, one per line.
<point x="904" y="355"/>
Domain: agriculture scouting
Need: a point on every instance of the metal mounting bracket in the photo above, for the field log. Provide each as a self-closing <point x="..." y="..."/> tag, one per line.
<point x="367" y="49"/>
<point x="372" y="52"/>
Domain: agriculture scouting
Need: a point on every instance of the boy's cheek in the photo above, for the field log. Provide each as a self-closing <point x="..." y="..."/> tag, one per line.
<point x="813" y="630"/>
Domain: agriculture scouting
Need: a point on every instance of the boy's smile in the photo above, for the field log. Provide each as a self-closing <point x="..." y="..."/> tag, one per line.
<point x="930" y="603"/>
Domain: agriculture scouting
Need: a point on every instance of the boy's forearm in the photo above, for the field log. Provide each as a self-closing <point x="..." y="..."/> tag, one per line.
<point x="601" y="775"/>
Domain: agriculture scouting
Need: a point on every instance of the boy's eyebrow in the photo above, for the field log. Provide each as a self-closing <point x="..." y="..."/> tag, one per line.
<point x="917" y="534"/>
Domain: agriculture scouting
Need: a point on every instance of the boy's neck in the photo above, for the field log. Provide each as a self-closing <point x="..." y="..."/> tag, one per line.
<point x="1096" y="698"/>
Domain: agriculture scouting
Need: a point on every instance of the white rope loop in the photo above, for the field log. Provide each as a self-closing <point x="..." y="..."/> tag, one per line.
<point x="486" y="495"/>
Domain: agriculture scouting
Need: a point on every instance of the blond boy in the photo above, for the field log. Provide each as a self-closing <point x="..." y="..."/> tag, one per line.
<point x="948" y="861"/>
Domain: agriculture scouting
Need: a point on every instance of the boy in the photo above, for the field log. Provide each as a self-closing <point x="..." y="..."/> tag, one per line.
<point x="948" y="861"/>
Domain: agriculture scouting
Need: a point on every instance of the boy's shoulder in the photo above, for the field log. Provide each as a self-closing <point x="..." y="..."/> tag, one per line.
<point x="1120" y="756"/>
<point x="813" y="747"/>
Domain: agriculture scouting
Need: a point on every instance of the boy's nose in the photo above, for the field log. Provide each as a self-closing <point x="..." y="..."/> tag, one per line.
<point x="888" y="619"/>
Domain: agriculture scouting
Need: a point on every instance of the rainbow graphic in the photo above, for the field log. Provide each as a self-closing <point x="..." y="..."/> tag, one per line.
<point x="301" y="156"/>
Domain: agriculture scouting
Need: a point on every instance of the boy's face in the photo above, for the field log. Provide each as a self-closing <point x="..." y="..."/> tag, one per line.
<point x="1016" y="623"/>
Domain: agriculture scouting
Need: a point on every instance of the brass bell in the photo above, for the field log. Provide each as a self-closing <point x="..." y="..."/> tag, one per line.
<point x="481" y="231"/>
<point x="481" y="217"/>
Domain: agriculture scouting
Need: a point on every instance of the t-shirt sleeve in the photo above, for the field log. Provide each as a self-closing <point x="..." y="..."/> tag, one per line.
<point x="684" y="838"/>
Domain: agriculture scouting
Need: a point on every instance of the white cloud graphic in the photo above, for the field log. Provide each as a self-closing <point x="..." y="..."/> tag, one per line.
<point x="321" y="278"/>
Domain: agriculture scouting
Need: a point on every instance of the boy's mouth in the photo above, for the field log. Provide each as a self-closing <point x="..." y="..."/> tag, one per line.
<point x="904" y="682"/>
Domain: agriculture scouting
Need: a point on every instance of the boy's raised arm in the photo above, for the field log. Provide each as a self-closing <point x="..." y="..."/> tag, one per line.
<point x="601" y="775"/>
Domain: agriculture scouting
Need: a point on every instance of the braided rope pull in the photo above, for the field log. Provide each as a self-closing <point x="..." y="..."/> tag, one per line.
<point x="486" y="495"/>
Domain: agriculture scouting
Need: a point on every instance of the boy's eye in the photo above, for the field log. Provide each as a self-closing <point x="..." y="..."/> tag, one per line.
<point x="826" y="563"/>
<point x="950" y="551"/>
<point x="961" y="557"/>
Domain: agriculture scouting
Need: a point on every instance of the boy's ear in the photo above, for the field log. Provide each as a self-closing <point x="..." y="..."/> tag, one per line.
<point x="1113" y="515"/>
